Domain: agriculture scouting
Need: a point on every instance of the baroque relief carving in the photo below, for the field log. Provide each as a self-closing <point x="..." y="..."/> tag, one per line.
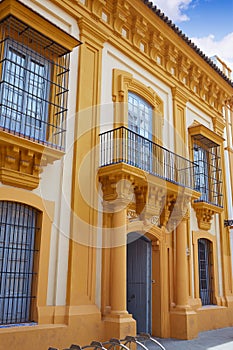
<point x="97" y="7"/>
<point x="120" y="15"/>
<point x="20" y="168"/>
<point x="159" y="48"/>
<point x="205" y="213"/>
<point x="22" y="161"/>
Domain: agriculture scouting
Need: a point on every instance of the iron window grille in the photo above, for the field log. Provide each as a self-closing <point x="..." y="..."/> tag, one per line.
<point x="33" y="84"/>
<point x="208" y="172"/>
<point x="18" y="231"/>
<point x="205" y="273"/>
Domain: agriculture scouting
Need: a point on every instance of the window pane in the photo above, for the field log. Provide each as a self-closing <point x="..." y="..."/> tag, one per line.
<point x="202" y="172"/>
<point x="24" y="92"/>
<point x="140" y="122"/>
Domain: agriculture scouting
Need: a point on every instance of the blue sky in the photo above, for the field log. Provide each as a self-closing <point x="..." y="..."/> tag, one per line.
<point x="208" y="23"/>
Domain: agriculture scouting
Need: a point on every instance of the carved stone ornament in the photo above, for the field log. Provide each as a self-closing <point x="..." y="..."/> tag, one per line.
<point x="205" y="213"/>
<point x="22" y="161"/>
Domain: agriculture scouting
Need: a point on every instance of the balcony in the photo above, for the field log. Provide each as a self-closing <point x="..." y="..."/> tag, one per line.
<point x="122" y="145"/>
<point x="154" y="184"/>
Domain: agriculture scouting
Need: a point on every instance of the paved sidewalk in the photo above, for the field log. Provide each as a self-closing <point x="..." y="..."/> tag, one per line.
<point x="220" y="339"/>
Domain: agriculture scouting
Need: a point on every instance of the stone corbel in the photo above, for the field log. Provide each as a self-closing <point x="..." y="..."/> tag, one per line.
<point x="183" y="68"/>
<point x="204" y="213"/>
<point x="229" y="101"/>
<point x="194" y="78"/>
<point x="212" y="95"/>
<point x="171" y="57"/>
<point x="220" y="101"/>
<point x="168" y="204"/>
<point x="121" y="13"/>
<point x="117" y="187"/>
<point x="204" y="218"/>
<point x="154" y="205"/>
<point x="19" y="167"/>
<point x="141" y="198"/>
<point x="139" y="31"/>
<point x="10" y="156"/>
<point x="97" y="8"/>
<point x="219" y="125"/>
<point x="156" y="44"/>
<point x="180" y="211"/>
<point x="204" y="87"/>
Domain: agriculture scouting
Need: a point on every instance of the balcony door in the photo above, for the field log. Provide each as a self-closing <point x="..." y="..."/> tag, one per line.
<point x="140" y="123"/>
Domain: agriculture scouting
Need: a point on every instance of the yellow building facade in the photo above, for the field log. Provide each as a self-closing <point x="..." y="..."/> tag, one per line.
<point x="115" y="176"/>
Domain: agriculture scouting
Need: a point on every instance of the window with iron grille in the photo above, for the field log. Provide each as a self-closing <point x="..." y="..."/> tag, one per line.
<point x="33" y="84"/>
<point x="205" y="273"/>
<point x="208" y="173"/>
<point x="18" y="230"/>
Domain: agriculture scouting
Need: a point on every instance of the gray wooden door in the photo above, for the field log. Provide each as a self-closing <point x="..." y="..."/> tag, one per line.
<point x="139" y="281"/>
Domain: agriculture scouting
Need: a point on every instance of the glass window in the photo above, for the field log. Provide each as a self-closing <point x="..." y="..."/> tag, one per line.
<point x="140" y="123"/>
<point x="24" y="92"/>
<point x="202" y="172"/>
<point x="34" y="73"/>
<point x="208" y="178"/>
<point x="17" y="249"/>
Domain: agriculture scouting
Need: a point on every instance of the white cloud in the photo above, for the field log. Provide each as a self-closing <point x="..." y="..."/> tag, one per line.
<point x="174" y="9"/>
<point x="222" y="48"/>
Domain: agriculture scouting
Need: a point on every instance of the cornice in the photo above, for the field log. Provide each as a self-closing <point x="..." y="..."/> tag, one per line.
<point x="37" y="22"/>
<point x="91" y="32"/>
<point x="145" y="35"/>
<point x="177" y="31"/>
<point x="197" y="129"/>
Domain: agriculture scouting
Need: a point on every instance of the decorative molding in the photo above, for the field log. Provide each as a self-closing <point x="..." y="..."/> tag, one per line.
<point x="37" y="22"/>
<point x="154" y="204"/>
<point x="139" y="31"/>
<point x="122" y="83"/>
<point x="147" y="199"/>
<point x="204" y="213"/>
<point x="132" y="215"/>
<point x="171" y="59"/>
<point x="200" y="129"/>
<point x="97" y="7"/>
<point x="164" y="50"/>
<point x="22" y="160"/>
<point x="120" y="14"/>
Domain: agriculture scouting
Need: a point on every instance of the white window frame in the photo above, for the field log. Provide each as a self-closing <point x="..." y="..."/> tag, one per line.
<point x="140" y="122"/>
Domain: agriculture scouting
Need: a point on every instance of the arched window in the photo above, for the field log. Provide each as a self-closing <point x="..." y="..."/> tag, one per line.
<point x="205" y="271"/>
<point x="18" y="228"/>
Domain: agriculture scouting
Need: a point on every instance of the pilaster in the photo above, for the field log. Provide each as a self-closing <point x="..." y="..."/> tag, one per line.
<point x="182" y="314"/>
<point x="118" y="322"/>
<point x="82" y="251"/>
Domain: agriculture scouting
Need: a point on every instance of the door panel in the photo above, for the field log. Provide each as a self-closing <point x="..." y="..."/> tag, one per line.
<point x="139" y="282"/>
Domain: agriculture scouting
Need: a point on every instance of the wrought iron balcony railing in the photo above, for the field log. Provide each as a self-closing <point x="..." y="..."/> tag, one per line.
<point x="122" y="145"/>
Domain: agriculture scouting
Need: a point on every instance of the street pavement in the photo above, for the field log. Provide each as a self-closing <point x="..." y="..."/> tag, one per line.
<point x="220" y="339"/>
